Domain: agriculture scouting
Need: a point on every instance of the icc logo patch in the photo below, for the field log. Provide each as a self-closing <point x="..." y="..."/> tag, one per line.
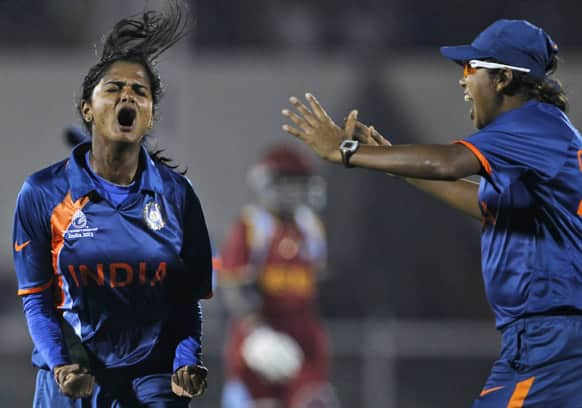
<point x="79" y="220"/>
<point x="153" y="216"/>
<point x="80" y="227"/>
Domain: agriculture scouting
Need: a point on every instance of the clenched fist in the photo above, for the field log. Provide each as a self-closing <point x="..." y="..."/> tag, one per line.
<point x="74" y="380"/>
<point x="189" y="381"/>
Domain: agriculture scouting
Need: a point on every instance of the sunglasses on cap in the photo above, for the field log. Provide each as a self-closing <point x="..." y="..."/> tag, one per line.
<point x="470" y="67"/>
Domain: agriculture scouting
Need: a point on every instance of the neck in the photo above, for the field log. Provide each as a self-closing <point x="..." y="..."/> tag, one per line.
<point x="511" y="102"/>
<point x="115" y="162"/>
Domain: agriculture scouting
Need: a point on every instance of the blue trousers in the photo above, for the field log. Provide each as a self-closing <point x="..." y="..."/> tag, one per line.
<point x="540" y="365"/>
<point x="152" y="390"/>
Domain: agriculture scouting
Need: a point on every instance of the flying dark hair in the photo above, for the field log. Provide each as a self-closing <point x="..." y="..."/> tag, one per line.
<point x="140" y="39"/>
<point x="548" y="90"/>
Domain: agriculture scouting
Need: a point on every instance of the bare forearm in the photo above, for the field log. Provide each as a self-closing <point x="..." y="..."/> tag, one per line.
<point x="432" y="162"/>
<point x="460" y="194"/>
<point x="435" y="169"/>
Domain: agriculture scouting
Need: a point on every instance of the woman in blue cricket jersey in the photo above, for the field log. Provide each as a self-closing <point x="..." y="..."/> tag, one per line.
<point x="111" y="249"/>
<point x="530" y="200"/>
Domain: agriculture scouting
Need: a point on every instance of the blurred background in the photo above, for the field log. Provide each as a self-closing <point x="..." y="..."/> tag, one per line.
<point x="404" y="300"/>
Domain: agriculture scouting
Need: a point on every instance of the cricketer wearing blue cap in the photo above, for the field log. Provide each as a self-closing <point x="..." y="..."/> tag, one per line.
<point x="531" y="245"/>
<point x="529" y="198"/>
<point x="517" y="43"/>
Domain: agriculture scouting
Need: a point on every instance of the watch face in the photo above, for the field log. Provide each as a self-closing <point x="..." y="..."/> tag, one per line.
<point x="349" y="145"/>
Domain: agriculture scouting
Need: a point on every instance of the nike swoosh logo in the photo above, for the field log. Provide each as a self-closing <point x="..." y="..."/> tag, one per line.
<point x="490" y="390"/>
<point x="19" y="247"/>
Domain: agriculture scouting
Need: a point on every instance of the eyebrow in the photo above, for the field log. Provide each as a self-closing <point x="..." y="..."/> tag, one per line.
<point x="121" y="84"/>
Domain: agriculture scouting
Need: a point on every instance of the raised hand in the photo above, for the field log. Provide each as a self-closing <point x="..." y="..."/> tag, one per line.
<point x="316" y="128"/>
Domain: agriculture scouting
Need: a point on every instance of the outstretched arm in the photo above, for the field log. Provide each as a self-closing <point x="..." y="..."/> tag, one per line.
<point x="435" y="162"/>
<point x="460" y="194"/>
<point x="419" y="163"/>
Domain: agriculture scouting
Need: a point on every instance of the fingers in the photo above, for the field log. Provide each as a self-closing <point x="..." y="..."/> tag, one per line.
<point x="293" y="132"/>
<point x="361" y="127"/>
<point x="296" y="119"/>
<point x="319" y="132"/>
<point x="189" y="381"/>
<point x="60" y="373"/>
<point x="301" y="108"/>
<point x="78" y="385"/>
<point x="185" y="382"/>
<point x="350" y="124"/>
<point x="304" y="122"/>
<point x="196" y="377"/>
<point x="363" y="134"/>
<point x="369" y="135"/>
<point x="381" y="140"/>
<point x="74" y="380"/>
<point x="178" y="389"/>
<point x="316" y="107"/>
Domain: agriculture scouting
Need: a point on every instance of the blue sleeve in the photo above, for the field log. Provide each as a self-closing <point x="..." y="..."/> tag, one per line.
<point x="44" y="328"/>
<point x="31" y="243"/>
<point x="196" y="252"/>
<point x="507" y="156"/>
<point x="189" y="349"/>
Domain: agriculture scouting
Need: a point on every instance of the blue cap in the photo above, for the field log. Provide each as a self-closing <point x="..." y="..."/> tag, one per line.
<point x="512" y="42"/>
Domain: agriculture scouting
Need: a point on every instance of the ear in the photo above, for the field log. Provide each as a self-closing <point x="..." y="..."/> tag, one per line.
<point x="87" y="112"/>
<point x="504" y="78"/>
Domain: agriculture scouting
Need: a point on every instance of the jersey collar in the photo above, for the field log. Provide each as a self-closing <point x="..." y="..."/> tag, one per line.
<point x="150" y="179"/>
<point x="82" y="184"/>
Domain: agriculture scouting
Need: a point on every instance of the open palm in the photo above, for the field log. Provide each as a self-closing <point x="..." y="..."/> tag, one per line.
<point x="316" y="128"/>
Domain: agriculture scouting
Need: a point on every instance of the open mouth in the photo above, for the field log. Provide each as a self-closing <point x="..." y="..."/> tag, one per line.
<point x="126" y="118"/>
<point x="469" y="99"/>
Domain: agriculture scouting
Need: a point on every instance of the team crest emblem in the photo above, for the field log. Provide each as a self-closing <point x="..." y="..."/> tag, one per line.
<point x="153" y="216"/>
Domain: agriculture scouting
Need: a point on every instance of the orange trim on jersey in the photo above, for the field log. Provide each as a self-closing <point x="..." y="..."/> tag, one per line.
<point x="520" y="393"/>
<point x="579" y="212"/>
<point x="61" y="218"/>
<point x="488" y="216"/>
<point x="490" y="390"/>
<point x="216" y="263"/>
<point x="580" y="159"/>
<point x="477" y="154"/>
<point x="61" y="298"/>
<point x="37" y="289"/>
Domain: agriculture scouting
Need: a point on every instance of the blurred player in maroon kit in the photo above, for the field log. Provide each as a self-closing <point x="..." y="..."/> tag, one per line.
<point x="277" y="352"/>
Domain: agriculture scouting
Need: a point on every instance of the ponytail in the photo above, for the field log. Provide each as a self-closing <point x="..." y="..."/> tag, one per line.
<point x="547" y="90"/>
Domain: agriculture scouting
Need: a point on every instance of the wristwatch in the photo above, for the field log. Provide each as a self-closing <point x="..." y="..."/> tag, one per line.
<point x="347" y="149"/>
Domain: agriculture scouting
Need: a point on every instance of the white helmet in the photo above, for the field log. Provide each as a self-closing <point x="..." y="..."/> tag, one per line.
<point x="283" y="180"/>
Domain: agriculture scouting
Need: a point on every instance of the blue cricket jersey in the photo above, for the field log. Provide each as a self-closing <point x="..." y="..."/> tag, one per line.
<point x="125" y="276"/>
<point x="531" y="200"/>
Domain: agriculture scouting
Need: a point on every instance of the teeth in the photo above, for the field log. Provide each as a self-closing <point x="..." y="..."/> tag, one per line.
<point x="468" y="98"/>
